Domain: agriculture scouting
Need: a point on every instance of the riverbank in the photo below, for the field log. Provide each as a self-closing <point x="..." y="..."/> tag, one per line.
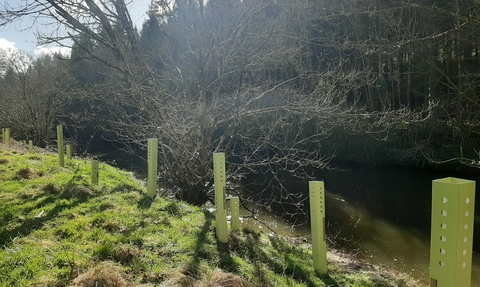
<point x="56" y="229"/>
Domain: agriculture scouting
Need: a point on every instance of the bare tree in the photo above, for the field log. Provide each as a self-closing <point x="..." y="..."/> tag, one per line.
<point x="33" y="95"/>
<point x="241" y="81"/>
<point x="257" y="79"/>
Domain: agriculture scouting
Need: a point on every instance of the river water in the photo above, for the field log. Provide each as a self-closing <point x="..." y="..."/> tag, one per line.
<point x="380" y="213"/>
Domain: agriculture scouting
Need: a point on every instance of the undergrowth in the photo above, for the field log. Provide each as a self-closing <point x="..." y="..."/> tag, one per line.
<point x="56" y="229"/>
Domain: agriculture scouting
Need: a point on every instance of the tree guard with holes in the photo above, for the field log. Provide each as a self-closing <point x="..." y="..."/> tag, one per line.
<point x="95" y="172"/>
<point x="317" y="218"/>
<point x="6" y="138"/>
<point x="61" y="161"/>
<point x="69" y="152"/>
<point x="235" y="213"/>
<point x="452" y="232"/>
<point x="220" y="185"/>
<point x="152" y="159"/>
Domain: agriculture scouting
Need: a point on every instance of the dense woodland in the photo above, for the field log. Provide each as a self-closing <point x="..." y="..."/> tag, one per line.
<point x="280" y="86"/>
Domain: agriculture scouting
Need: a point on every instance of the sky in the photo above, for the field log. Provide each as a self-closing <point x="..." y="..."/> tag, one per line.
<point x="20" y="35"/>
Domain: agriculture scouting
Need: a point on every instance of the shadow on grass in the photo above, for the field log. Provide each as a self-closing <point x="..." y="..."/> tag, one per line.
<point x="201" y="251"/>
<point x="175" y="208"/>
<point x="293" y="256"/>
<point x="226" y="260"/>
<point x="75" y="194"/>
<point x="31" y="224"/>
<point x="126" y="188"/>
<point x="145" y="202"/>
<point x="329" y="281"/>
<point x="258" y="257"/>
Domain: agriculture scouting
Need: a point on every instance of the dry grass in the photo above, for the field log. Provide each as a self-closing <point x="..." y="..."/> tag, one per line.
<point x="34" y="157"/>
<point x="125" y="253"/>
<point x="52" y="188"/>
<point x="4" y="160"/>
<point x="26" y="173"/>
<point x="112" y="225"/>
<point x="181" y="280"/>
<point x="225" y="279"/>
<point x="219" y="278"/>
<point x="105" y="274"/>
<point x="77" y="191"/>
<point x="349" y="264"/>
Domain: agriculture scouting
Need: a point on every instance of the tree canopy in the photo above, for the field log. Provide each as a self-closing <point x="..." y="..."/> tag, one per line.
<point x="280" y="86"/>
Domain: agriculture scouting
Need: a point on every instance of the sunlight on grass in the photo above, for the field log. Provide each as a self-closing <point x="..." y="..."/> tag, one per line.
<point x="58" y="230"/>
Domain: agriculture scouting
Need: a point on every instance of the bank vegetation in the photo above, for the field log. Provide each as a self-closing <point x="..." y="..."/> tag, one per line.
<point x="56" y="229"/>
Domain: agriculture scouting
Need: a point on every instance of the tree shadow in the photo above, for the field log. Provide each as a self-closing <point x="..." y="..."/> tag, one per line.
<point x="75" y="194"/>
<point x="226" y="260"/>
<point x="31" y="224"/>
<point x="126" y="188"/>
<point x="329" y="281"/>
<point x="201" y="252"/>
<point x="145" y="202"/>
<point x="175" y="209"/>
<point x="257" y="256"/>
<point x="292" y="259"/>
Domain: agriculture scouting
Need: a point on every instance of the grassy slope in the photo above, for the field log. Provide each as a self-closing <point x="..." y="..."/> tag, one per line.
<point x="58" y="230"/>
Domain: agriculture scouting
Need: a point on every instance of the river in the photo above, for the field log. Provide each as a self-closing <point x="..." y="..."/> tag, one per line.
<point x="380" y="213"/>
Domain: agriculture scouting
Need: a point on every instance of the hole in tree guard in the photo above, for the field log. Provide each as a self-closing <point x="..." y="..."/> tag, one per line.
<point x="444" y="213"/>
<point x="465" y="239"/>
<point x="442" y="251"/>
<point x="464" y="252"/>
<point x="467" y="201"/>
<point x="467" y="213"/>
<point x="466" y="226"/>
<point x="441" y="263"/>
<point x="443" y="226"/>
<point x="464" y="264"/>
<point x="444" y="199"/>
<point x="443" y="238"/>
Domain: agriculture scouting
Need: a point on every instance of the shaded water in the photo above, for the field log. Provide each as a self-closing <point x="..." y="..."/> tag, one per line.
<point x="382" y="214"/>
<point x="394" y="209"/>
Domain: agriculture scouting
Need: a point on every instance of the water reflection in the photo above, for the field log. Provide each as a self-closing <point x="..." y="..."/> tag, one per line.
<point x="381" y="214"/>
<point x="380" y="241"/>
<point x="357" y="231"/>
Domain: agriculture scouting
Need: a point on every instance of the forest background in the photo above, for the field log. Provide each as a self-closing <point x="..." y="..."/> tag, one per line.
<point x="282" y="87"/>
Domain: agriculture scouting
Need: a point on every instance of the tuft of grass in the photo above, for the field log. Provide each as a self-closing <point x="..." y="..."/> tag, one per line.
<point x="34" y="157"/>
<point x="125" y="254"/>
<point x="52" y="188"/>
<point x="26" y="173"/>
<point x="4" y="160"/>
<point x="224" y="279"/>
<point x="76" y="191"/>
<point x="105" y="274"/>
<point x="59" y="230"/>
<point x="181" y="280"/>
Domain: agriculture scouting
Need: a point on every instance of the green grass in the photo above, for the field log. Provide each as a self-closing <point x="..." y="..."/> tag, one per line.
<point x="58" y="230"/>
